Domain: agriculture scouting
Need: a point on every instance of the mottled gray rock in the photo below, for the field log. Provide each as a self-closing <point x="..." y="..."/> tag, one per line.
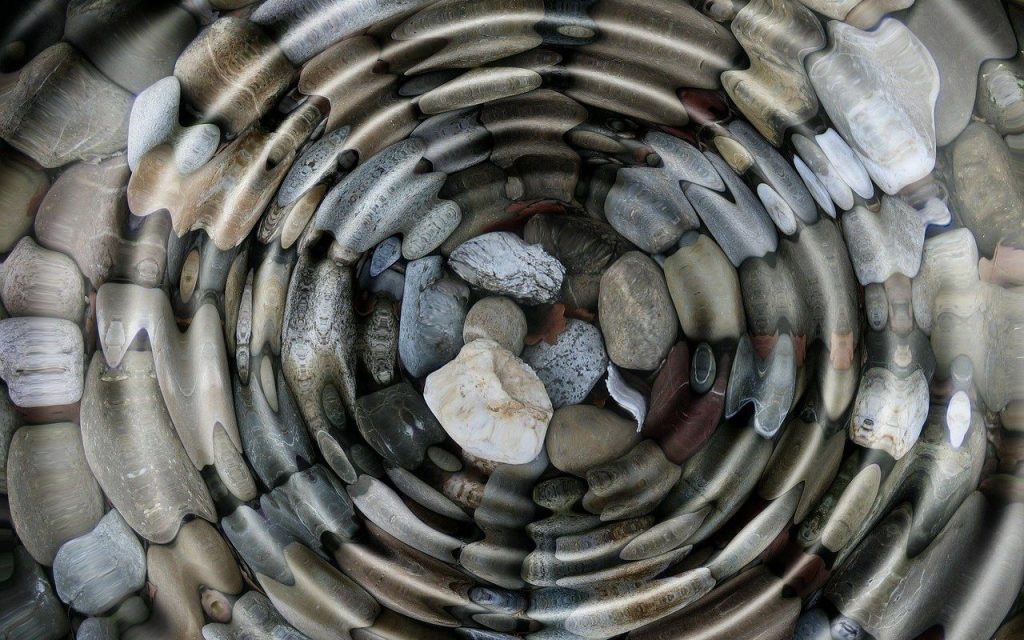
<point x="649" y="209"/>
<point x="385" y="255"/>
<point x="637" y="318"/>
<point x="95" y="572"/>
<point x="433" y="313"/>
<point x="496" y="318"/>
<point x="503" y="264"/>
<point x="572" y="365"/>
<point x="317" y="164"/>
<point x="581" y="437"/>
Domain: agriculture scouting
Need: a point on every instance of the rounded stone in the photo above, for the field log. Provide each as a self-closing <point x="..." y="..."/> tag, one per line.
<point x="496" y="318"/>
<point x="636" y="313"/>
<point x="583" y="436"/>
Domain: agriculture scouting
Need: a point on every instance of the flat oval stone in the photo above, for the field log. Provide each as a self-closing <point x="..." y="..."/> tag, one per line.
<point x="636" y="313"/>
<point x="571" y="366"/>
<point x="581" y="437"/>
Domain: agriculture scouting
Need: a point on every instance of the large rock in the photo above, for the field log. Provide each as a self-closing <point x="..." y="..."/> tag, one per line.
<point x="503" y="264"/>
<point x="491" y="403"/>
<point x="572" y="365"/>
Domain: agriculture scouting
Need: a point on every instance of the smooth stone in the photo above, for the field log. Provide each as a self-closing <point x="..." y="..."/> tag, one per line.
<point x="987" y="187"/>
<point x="683" y="162"/>
<point x="95" y="572"/>
<point x="306" y="28"/>
<point x="433" y="316"/>
<point x="21" y="191"/>
<point x="880" y="88"/>
<point x="499" y="319"/>
<point x="316" y="165"/>
<point x="154" y="121"/>
<point x="846" y="162"/>
<point x="585" y="247"/>
<point x="774" y="92"/>
<point x="53" y="494"/>
<point x="814" y="159"/>
<point x="1001" y="95"/>
<point x="253" y="617"/>
<point x="705" y="290"/>
<point x="960" y="36"/>
<point x="768" y="384"/>
<point x="385" y="256"/>
<point x="885" y="243"/>
<point x="478" y="86"/>
<point x="581" y="437"/>
<point x="129" y="613"/>
<point x="455" y="140"/>
<point x="572" y="365"/>
<point x="384" y="196"/>
<point x="502" y="263"/>
<point x="950" y="261"/>
<point x="232" y="73"/>
<point x="636" y="313"/>
<point x="778" y="175"/>
<point x="41" y="114"/>
<point x="815" y="186"/>
<point x="491" y="403"/>
<point x="649" y="209"/>
<point x="28" y="607"/>
<point x="140" y="40"/>
<point x="398" y="425"/>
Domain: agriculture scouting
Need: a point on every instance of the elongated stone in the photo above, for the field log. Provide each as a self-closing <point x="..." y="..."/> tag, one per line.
<point x="21" y="190"/>
<point x="503" y="264"/>
<point x="637" y="318"/>
<point x="52" y="492"/>
<point x="131" y="446"/>
<point x="768" y="384"/>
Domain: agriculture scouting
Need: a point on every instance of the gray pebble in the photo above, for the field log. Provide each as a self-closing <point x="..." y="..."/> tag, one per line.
<point x="571" y="366"/>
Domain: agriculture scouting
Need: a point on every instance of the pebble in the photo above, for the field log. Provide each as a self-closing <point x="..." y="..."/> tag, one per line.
<point x="503" y="264"/>
<point x="581" y="437"/>
<point x="491" y="403"/>
<point x="572" y="365"/>
<point x="636" y="313"/>
<point x="499" y="319"/>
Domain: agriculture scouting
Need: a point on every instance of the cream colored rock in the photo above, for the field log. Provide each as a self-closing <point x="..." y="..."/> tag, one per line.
<point x="491" y="403"/>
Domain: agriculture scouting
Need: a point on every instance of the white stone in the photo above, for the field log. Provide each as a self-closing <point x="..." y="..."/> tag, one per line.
<point x="491" y="403"/>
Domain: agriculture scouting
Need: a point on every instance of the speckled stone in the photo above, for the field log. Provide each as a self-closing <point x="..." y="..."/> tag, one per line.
<point x="572" y="365"/>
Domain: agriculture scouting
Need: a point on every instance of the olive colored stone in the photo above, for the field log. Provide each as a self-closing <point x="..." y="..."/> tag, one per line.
<point x="636" y="313"/>
<point x="584" y="436"/>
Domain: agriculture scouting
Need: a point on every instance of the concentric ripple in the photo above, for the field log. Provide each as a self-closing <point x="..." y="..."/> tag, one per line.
<point x="494" y="319"/>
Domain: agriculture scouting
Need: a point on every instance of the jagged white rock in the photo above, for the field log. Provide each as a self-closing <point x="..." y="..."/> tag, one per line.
<point x="491" y="403"/>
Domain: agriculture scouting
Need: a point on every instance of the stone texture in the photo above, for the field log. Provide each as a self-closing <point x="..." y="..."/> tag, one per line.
<point x="636" y="313"/>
